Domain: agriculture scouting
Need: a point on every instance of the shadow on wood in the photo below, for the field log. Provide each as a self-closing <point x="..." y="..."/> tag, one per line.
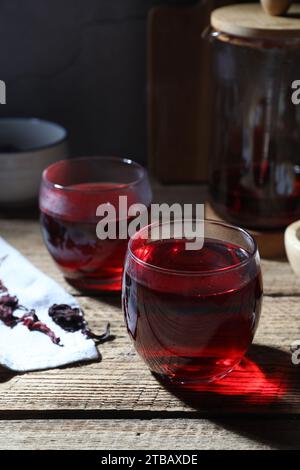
<point x="6" y="375"/>
<point x="275" y="431"/>
<point x="110" y="298"/>
<point x="266" y="381"/>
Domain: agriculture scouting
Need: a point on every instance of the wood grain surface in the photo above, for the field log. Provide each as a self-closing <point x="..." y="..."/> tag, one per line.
<point x="266" y="382"/>
<point x="117" y="403"/>
<point x="158" y="434"/>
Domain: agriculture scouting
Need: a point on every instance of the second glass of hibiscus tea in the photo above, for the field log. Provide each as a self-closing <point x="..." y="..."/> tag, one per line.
<point x="192" y="314"/>
<point x="71" y="192"/>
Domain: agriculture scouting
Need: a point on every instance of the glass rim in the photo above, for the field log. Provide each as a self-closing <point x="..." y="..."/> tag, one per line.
<point x="126" y="161"/>
<point x="181" y="272"/>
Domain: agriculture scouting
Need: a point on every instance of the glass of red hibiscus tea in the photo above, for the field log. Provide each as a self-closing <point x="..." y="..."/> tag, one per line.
<point x="70" y="195"/>
<point x="192" y="314"/>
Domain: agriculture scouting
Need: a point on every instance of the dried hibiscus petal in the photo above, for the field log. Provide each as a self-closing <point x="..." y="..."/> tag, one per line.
<point x="99" y="339"/>
<point x="8" y="304"/>
<point x="9" y="301"/>
<point x="72" y="319"/>
<point x="6" y="315"/>
<point x="32" y="322"/>
<point x="2" y="287"/>
<point x="68" y="318"/>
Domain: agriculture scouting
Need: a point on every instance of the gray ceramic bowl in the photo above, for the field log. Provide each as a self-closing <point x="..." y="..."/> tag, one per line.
<point x="27" y="147"/>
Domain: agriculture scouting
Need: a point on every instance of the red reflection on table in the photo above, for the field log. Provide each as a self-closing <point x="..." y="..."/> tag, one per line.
<point x="247" y="385"/>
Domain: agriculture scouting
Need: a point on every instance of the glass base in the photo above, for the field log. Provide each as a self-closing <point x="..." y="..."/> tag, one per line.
<point x="96" y="286"/>
<point x="193" y="381"/>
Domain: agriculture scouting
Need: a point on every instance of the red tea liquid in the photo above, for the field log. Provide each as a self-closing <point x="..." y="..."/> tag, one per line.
<point x="191" y="328"/>
<point x="257" y="198"/>
<point x="88" y="263"/>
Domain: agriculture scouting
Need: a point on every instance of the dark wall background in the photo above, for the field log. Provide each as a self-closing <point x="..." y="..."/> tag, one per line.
<point x="81" y="63"/>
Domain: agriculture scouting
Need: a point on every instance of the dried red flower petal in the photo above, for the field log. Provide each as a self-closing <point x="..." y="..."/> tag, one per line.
<point x="99" y="339"/>
<point x="68" y="318"/>
<point x="2" y="287"/>
<point x="32" y="322"/>
<point x="8" y="305"/>
<point x="72" y="319"/>
<point x="7" y="317"/>
<point x="9" y="301"/>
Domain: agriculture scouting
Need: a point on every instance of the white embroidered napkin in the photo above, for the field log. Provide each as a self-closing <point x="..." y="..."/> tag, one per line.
<point x="22" y="349"/>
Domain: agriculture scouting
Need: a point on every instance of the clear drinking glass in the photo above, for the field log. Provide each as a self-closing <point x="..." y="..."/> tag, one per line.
<point x="71" y="191"/>
<point x="192" y="314"/>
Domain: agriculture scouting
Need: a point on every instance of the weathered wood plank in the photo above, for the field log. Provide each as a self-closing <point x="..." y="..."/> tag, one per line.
<point x="157" y="434"/>
<point x="279" y="278"/>
<point x="26" y="237"/>
<point x="266" y="383"/>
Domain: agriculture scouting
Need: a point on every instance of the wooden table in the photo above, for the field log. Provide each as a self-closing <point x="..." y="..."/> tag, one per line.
<point x="118" y="404"/>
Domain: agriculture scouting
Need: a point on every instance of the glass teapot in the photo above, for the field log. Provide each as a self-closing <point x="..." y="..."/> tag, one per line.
<point x="255" y="162"/>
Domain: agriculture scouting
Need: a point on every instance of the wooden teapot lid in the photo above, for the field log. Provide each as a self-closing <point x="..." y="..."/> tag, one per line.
<point x="251" y="21"/>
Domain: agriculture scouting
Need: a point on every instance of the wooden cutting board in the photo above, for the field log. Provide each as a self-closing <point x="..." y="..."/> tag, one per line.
<point x="179" y="93"/>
